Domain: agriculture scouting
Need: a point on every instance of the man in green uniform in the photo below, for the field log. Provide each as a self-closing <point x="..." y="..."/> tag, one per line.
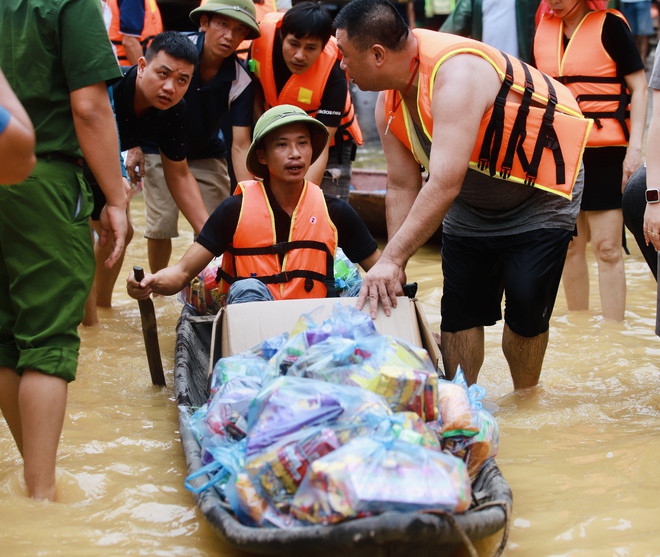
<point x="58" y="60"/>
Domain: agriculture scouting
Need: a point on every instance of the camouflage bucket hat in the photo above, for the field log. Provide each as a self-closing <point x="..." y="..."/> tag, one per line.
<point x="276" y="117"/>
<point x="240" y="10"/>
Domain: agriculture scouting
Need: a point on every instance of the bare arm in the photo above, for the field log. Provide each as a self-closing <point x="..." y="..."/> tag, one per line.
<point x="172" y="279"/>
<point x="132" y="47"/>
<point x="638" y="106"/>
<point x="241" y="138"/>
<point x="17" y="141"/>
<point x="404" y="179"/>
<point x="368" y="262"/>
<point x="456" y="120"/>
<point x="185" y="192"/>
<point x="96" y="131"/>
<point x="652" y="213"/>
<point x="315" y="172"/>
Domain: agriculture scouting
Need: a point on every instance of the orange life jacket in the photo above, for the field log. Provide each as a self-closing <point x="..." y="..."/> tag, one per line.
<point x="305" y="90"/>
<point x="537" y="139"/>
<point x="307" y="270"/>
<point x="601" y="94"/>
<point x="153" y="25"/>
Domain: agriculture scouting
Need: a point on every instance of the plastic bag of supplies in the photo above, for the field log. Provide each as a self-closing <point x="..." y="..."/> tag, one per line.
<point x="370" y="475"/>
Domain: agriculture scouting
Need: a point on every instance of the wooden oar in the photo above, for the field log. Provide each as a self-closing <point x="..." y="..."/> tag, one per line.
<point x="150" y="332"/>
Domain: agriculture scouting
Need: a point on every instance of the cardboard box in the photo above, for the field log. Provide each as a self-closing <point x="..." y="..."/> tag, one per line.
<point x="240" y="327"/>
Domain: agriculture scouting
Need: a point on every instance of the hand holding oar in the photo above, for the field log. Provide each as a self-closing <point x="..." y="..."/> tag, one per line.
<point x="150" y="332"/>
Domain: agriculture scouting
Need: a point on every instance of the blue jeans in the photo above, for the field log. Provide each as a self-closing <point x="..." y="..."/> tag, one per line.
<point x="248" y="290"/>
<point x="638" y="15"/>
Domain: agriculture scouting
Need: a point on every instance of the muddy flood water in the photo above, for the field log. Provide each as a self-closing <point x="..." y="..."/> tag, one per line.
<point x="581" y="453"/>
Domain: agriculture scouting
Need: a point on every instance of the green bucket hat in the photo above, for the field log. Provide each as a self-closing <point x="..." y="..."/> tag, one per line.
<point x="240" y="10"/>
<point x="276" y="117"/>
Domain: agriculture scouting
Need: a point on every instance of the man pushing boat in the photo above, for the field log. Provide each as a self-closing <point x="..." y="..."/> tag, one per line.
<point x="277" y="235"/>
<point x="487" y="127"/>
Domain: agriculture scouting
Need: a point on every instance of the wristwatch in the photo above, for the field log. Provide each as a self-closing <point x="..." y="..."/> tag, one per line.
<point x="653" y="195"/>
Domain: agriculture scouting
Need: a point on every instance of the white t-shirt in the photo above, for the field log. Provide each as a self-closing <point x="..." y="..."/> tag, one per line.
<point x="499" y="25"/>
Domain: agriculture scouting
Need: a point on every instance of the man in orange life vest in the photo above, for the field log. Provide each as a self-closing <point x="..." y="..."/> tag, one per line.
<point x="487" y="127"/>
<point x="296" y="62"/>
<point x="133" y="26"/>
<point x="278" y="235"/>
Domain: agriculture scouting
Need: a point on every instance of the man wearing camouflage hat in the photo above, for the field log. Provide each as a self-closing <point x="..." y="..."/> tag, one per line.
<point x="282" y="231"/>
<point x="220" y="88"/>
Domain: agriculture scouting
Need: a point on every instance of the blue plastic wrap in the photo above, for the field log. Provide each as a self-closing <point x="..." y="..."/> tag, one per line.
<point x="370" y="476"/>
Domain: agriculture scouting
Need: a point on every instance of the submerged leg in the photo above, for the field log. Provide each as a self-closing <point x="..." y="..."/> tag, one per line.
<point x="524" y="356"/>
<point x="464" y="348"/>
<point x="42" y="403"/>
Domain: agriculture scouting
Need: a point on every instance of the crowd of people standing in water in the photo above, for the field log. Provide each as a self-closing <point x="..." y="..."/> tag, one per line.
<point x="541" y="158"/>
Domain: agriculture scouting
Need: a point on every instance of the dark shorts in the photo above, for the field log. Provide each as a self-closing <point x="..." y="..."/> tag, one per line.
<point x="603" y="173"/>
<point x="97" y="192"/>
<point x="46" y="269"/>
<point x="526" y="268"/>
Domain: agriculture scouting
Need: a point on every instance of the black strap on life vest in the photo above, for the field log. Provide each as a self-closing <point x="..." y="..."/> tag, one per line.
<point x="547" y="139"/>
<point x="286" y="276"/>
<point x="490" y="148"/>
<point x="519" y="130"/>
<point x="621" y="114"/>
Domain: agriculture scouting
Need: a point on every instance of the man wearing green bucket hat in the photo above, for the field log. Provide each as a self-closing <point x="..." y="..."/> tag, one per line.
<point x="221" y="92"/>
<point x="277" y="235"/>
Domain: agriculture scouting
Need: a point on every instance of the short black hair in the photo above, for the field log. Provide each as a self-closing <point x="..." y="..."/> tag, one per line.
<point x="173" y="44"/>
<point x="307" y="19"/>
<point x="368" y="22"/>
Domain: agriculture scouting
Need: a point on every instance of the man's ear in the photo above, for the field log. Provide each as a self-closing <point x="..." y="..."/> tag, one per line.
<point x="142" y="63"/>
<point x="379" y="53"/>
<point x="204" y="22"/>
<point x="261" y="156"/>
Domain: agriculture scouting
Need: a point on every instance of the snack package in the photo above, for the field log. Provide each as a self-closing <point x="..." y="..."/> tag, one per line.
<point x="227" y="412"/>
<point x="253" y="510"/>
<point x="458" y="416"/>
<point x="245" y="364"/>
<point x="476" y="450"/>
<point x="348" y="280"/>
<point x="401" y="373"/>
<point x="370" y="476"/>
<point x="269" y="347"/>
<point x="294" y="421"/>
<point x="248" y="506"/>
<point x="410" y="428"/>
<point x="220" y="460"/>
<point x="344" y="322"/>
<point x="288" y="404"/>
<point x="202" y="293"/>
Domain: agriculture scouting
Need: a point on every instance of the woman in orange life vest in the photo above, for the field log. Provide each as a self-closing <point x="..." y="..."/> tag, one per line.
<point x="296" y="61"/>
<point x="594" y="54"/>
<point x="291" y="255"/>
